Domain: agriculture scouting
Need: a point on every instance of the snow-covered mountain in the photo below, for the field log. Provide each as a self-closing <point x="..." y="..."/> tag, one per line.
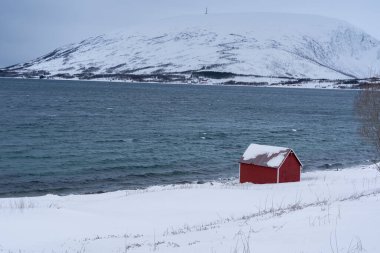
<point x="220" y="48"/>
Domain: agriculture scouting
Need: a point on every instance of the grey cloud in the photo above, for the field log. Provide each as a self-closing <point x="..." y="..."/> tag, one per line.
<point x="30" y="28"/>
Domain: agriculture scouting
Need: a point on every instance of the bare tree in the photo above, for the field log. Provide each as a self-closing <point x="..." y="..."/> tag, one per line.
<point x="367" y="106"/>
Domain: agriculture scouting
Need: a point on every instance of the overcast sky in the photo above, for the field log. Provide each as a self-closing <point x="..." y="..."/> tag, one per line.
<point x="30" y="28"/>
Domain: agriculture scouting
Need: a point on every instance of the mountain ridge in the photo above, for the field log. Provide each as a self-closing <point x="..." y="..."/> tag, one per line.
<point x="256" y="48"/>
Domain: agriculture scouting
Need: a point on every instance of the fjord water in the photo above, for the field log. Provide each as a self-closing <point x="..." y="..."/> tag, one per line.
<point x="83" y="137"/>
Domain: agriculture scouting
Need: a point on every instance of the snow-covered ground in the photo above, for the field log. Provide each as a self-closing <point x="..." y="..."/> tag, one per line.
<point x="328" y="211"/>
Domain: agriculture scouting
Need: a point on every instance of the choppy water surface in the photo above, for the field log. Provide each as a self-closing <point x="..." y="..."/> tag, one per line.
<point x="79" y="137"/>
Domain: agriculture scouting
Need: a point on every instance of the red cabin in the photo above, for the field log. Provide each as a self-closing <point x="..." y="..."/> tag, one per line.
<point x="262" y="164"/>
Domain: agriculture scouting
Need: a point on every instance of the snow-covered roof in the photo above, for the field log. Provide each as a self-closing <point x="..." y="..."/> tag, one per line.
<point x="264" y="155"/>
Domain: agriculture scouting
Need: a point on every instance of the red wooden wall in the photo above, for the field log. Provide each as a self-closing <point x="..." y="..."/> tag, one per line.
<point x="290" y="170"/>
<point x="257" y="174"/>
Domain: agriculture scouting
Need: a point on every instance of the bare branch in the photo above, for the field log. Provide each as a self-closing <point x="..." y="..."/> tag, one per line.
<point x="367" y="107"/>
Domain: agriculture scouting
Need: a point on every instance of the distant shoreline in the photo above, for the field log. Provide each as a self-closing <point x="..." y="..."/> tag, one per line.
<point x="314" y="84"/>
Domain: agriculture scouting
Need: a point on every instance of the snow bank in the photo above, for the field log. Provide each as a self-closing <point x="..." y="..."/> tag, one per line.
<point x="328" y="211"/>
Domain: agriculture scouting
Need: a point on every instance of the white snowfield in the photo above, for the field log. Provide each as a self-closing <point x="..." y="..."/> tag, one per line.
<point x="273" y="46"/>
<point x="328" y="211"/>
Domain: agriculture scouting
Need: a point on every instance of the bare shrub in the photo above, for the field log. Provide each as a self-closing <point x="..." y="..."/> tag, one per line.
<point x="21" y="204"/>
<point x="367" y="107"/>
<point x="242" y="243"/>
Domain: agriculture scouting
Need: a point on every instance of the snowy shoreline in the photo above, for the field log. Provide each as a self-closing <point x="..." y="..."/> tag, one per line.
<point x="332" y="211"/>
<point x="307" y="85"/>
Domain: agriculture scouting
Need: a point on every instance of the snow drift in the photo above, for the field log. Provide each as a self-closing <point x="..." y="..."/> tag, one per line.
<point x="328" y="211"/>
